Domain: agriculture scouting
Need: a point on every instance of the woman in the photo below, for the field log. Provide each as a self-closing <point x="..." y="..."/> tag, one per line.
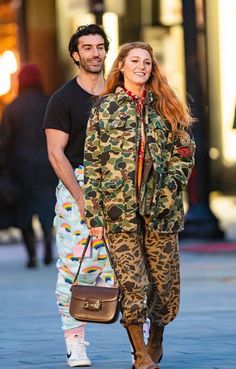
<point x="138" y="159"/>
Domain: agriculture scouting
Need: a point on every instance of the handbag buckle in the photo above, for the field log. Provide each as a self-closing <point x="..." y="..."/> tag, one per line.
<point x="93" y="304"/>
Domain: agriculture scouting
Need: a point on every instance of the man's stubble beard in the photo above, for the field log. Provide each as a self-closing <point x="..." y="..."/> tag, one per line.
<point x="92" y="69"/>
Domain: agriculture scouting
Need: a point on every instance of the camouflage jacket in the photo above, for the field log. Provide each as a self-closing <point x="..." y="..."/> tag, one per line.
<point x="110" y="159"/>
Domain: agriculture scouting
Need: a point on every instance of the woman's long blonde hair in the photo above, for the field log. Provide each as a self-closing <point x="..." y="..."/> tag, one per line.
<point x="167" y="104"/>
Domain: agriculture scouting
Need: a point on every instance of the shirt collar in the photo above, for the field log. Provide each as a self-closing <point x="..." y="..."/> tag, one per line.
<point x="122" y="96"/>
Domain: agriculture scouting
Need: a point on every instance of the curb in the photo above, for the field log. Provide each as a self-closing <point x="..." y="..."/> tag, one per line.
<point x="208" y="247"/>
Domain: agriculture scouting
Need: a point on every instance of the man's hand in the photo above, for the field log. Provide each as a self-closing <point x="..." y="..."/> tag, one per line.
<point x="80" y="203"/>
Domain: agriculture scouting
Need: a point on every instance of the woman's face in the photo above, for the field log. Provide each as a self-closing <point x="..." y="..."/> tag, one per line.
<point x="136" y="69"/>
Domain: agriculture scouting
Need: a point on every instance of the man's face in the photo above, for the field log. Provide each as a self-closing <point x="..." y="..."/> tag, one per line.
<point x="91" y="53"/>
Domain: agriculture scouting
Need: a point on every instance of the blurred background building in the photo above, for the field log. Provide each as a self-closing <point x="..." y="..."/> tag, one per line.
<point x="194" y="41"/>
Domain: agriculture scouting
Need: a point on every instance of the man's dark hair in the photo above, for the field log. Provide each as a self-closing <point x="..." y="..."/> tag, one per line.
<point x="90" y="29"/>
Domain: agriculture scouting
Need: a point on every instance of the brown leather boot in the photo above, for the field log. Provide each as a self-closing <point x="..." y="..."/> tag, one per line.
<point x="142" y="358"/>
<point x="154" y="345"/>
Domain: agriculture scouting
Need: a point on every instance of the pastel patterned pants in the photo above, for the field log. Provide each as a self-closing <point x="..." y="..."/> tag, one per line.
<point x="147" y="266"/>
<point x="71" y="235"/>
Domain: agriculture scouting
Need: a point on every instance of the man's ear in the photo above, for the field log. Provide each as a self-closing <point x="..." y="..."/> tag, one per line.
<point x="75" y="56"/>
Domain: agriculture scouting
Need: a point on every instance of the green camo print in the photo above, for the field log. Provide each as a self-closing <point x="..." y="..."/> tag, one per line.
<point x="110" y="159"/>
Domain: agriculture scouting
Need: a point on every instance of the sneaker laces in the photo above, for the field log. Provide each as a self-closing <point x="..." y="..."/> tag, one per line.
<point x="78" y="345"/>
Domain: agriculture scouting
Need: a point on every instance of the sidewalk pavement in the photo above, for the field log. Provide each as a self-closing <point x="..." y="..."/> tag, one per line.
<point x="203" y="336"/>
<point x="224" y="208"/>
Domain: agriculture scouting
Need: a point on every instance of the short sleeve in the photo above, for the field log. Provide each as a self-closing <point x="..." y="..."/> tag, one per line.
<point x="57" y="114"/>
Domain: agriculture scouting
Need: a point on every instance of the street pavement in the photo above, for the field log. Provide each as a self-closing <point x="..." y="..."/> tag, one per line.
<point x="203" y="336"/>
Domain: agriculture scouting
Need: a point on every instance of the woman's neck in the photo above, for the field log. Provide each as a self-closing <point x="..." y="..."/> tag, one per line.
<point x="136" y="89"/>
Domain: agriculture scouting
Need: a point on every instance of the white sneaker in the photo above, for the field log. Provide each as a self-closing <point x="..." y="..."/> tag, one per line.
<point x="76" y="351"/>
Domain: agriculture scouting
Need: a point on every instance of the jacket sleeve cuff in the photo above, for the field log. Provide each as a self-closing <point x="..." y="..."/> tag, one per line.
<point x="94" y="221"/>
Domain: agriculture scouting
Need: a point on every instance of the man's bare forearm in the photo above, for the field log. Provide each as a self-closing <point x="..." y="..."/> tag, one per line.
<point x="56" y="143"/>
<point x="65" y="173"/>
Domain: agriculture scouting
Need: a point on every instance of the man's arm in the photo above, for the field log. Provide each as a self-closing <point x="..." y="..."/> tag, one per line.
<point x="56" y="143"/>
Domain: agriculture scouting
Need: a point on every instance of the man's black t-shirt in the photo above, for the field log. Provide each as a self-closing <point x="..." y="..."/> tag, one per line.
<point x="68" y="111"/>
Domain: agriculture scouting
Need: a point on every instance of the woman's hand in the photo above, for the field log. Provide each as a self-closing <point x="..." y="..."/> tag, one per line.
<point x="98" y="232"/>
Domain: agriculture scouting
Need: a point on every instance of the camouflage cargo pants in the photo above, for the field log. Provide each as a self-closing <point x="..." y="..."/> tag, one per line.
<point x="147" y="266"/>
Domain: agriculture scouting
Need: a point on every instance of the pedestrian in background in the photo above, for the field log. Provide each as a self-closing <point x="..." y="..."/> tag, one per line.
<point x="23" y="145"/>
<point x="65" y="125"/>
<point x="138" y="159"/>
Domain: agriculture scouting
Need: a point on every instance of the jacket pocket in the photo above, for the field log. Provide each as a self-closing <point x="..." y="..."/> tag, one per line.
<point x="110" y="124"/>
<point x="112" y="184"/>
<point x="113" y="199"/>
<point x="165" y="198"/>
<point x="111" y="144"/>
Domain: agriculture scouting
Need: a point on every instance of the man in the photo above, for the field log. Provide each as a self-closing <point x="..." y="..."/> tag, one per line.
<point x="65" y="126"/>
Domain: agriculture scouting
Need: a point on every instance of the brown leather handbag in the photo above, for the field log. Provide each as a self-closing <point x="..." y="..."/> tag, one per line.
<point x="93" y="303"/>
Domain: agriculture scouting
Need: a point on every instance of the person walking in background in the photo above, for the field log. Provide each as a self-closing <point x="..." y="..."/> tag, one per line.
<point x="65" y="125"/>
<point x="23" y="145"/>
<point x="138" y="159"/>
